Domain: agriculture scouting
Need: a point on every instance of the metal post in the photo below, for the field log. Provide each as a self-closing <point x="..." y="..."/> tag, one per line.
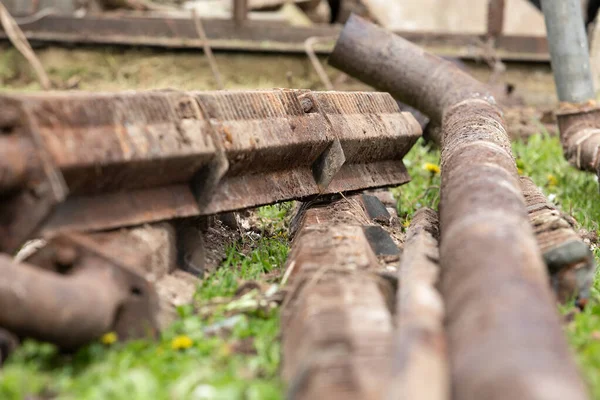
<point x="495" y="18"/>
<point x="569" y="52"/>
<point x="240" y="11"/>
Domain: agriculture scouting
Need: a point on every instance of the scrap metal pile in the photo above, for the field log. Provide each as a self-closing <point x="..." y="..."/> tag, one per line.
<point x="123" y="188"/>
<point x="77" y="165"/>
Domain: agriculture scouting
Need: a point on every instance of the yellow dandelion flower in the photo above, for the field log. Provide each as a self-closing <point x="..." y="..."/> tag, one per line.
<point x="181" y="342"/>
<point x="434" y="169"/>
<point x="552" y="181"/>
<point x="406" y="223"/>
<point x="109" y="338"/>
<point x="520" y="171"/>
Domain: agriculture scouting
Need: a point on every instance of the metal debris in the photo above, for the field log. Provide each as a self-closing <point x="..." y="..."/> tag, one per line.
<point x="569" y="260"/>
<point x="82" y="162"/>
<point x="77" y="287"/>
<point x="492" y="270"/>
<point x="77" y="291"/>
<point x="579" y="126"/>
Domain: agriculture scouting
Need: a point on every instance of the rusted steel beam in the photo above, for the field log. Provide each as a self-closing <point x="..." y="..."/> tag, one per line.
<point x="336" y="321"/>
<point x="492" y="270"/>
<point x="569" y="260"/>
<point x="262" y="36"/>
<point x="101" y="161"/>
<point x="579" y="126"/>
<point x="75" y="292"/>
<point x="420" y="367"/>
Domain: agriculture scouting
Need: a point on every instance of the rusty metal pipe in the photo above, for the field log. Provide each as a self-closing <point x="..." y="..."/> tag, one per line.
<point x="66" y="310"/>
<point x="569" y="259"/>
<point x="504" y="333"/>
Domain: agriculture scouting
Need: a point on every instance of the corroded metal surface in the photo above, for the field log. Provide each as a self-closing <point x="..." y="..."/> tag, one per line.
<point x="125" y="159"/>
<point x="494" y="282"/>
<point x="74" y="290"/>
<point x="130" y="29"/>
<point x="420" y="367"/>
<point x="579" y="127"/>
<point x="336" y="319"/>
<point x="570" y="261"/>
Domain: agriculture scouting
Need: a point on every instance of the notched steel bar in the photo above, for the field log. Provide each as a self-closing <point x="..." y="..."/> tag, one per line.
<point x="125" y="159"/>
<point x="336" y="321"/>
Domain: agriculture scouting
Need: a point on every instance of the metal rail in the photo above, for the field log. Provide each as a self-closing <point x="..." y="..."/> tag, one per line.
<point x="76" y="289"/>
<point x="262" y="36"/>
<point x="85" y="162"/>
<point x="336" y="321"/>
<point x="492" y="269"/>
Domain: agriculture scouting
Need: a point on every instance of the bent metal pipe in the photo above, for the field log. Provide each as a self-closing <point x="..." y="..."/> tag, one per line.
<point x="504" y="333"/>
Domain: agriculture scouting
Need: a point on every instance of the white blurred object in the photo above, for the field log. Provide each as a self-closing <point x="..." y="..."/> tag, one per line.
<point x="455" y="16"/>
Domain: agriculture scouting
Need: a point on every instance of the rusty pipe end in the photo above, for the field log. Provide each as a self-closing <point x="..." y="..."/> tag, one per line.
<point x="579" y="126"/>
<point x="424" y="81"/>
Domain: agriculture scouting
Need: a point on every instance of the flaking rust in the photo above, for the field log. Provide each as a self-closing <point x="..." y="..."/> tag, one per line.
<point x="570" y="261"/>
<point x="336" y="318"/>
<point x="85" y="161"/>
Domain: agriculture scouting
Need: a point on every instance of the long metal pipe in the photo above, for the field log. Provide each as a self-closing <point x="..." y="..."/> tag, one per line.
<point x="504" y="333"/>
<point x="570" y="58"/>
